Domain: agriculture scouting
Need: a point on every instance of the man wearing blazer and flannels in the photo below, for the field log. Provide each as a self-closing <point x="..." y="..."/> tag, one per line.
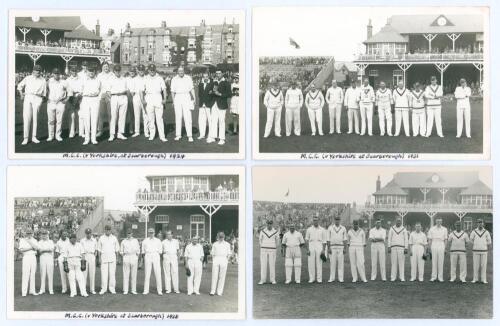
<point x="221" y="93"/>
<point x="205" y="103"/>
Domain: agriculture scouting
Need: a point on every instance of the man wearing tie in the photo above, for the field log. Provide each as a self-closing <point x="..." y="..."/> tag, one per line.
<point x="205" y="103"/>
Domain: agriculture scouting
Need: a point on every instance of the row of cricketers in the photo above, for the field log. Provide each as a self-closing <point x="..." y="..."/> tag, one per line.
<point x="88" y="95"/>
<point x="359" y="101"/>
<point x="77" y="262"/>
<point x="398" y="242"/>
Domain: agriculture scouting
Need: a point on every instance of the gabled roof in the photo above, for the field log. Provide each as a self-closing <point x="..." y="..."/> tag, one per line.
<point x="387" y="34"/>
<point x="478" y="188"/>
<point x="182" y="30"/>
<point x="82" y="33"/>
<point x="420" y="24"/>
<point x="391" y="189"/>
<point x="65" y="23"/>
<point x="435" y="179"/>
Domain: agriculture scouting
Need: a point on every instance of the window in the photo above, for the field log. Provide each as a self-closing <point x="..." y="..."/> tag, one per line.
<point x="151" y="45"/>
<point x="171" y="184"/>
<point x="151" y="57"/>
<point x="188" y="183"/>
<point x="373" y="73"/>
<point x="136" y="50"/>
<point x="467" y="223"/>
<point x="125" y="58"/>
<point x="142" y="50"/>
<point x="162" y="219"/>
<point x="197" y="226"/>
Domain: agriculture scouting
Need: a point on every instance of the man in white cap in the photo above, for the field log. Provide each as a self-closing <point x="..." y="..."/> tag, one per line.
<point x="314" y="102"/>
<point x="335" y="99"/>
<point x="182" y="90"/>
<point x="74" y="262"/>
<point x="57" y="95"/>
<point x="107" y="248"/>
<point x="193" y="254"/>
<point x="366" y="107"/>
<point x="458" y="240"/>
<point x="481" y="245"/>
<point x="28" y="246"/>
<point x="316" y="244"/>
<point x="155" y="98"/>
<point x="46" y="251"/>
<point x="151" y="250"/>
<point x="336" y="243"/>
<point x="437" y="237"/>
<point x="462" y="94"/>
<point x="293" y="103"/>
<point x="269" y="242"/>
<point x="221" y="251"/>
<point x="89" y="244"/>
<point x="377" y="236"/>
<point x="357" y="243"/>
<point x="291" y="250"/>
<point x="171" y="251"/>
<point x="433" y="95"/>
<point x="397" y="246"/>
<point x="273" y="101"/>
<point x="418" y="248"/>
<point x="61" y="245"/>
<point x="130" y="251"/>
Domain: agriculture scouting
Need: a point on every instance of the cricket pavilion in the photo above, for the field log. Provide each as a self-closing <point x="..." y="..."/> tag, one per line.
<point x="412" y="48"/>
<point x="425" y="196"/>
<point x="191" y="205"/>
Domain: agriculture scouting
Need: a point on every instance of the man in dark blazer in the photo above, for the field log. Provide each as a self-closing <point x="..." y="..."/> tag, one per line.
<point x="205" y="103"/>
<point x="221" y="93"/>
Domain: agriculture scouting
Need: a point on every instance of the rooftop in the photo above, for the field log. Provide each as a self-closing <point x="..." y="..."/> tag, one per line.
<point x="65" y="23"/>
<point x="182" y="30"/>
<point x="82" y="33"/>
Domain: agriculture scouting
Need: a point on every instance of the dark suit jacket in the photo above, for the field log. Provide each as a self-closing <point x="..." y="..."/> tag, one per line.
<point x="204" y="95"/>
<point x="225" y="89"/>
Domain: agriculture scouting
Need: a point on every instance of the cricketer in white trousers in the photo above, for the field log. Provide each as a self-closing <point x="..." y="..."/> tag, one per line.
<point x="108" y="273"/>
<point x="219" y="269"/>
<point x="47" y="271"/>
<point x="366" y="111"/>
<point x="273" y="116"/>
<point x="357" y="259"/>
<point x="31" y="106"/>
<point x="104" y="110"/>
<point x="293" y="261"/>
<point x="417" y="262"/>
<point x="152" y="261"/>
<point x="418" y="122"/>
<point x="378" y="257"/>
<point x="460" y="258"/>
<point x="267" y="256"/>
<point x="314" y="265"/>
<point x="402" y="115"/>
<point x="335" y="111"/>
<point x="337" y="262"/>
<point x="89" y="109"/>
<point x="479" y="261"/>
<point x="171" y="271"/>
<point x="292" y="118"/>
<point x="75" y="117"/>
<point x="218" y="117"/>
<point x="119" y="105"/>
<point x="385" y="118"/>
<point x="138" y="112"/>
<point x="63" y="274"/>
<point x="55" y="112"/>
<point x="194" y="281"/>
<point x="154" y="108"/>
<point x="463" y="112"/>
<point x="434" y="114"/>
<point x="315" y="117"/>
<point x="437" y="251"/>
<point x="183" y="105"/>
<point x="90" y="271"/>
<point x="397" y="262"/>
<point x="204" y="119"/>
<point x="353" y="116"/>
<point x="130" y="262"/>
<point x="29" y="270"/>
<point x="76" y="275"/>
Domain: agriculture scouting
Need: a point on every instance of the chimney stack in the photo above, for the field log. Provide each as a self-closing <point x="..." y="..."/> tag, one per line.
<point x="378" y="185"/>
<point x="98" y="29"/>
<point x="369" y="29"/>
<point x="163" y="24"/>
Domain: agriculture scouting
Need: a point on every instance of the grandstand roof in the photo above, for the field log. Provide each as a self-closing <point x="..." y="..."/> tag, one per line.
<point x="387" y="34"/>
<point x="392" y="188"/>
<point x="82" y="33"/>
<point x="65" y="23"/>
<point x="478" y="188"/>
<point x="182" y="30"/>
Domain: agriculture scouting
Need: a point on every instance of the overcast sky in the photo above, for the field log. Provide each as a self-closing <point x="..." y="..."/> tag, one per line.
<point x="324" y="31"/>
<point x="340" y="184"/>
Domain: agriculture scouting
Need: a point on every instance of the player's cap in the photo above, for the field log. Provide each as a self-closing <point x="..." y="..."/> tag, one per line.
<point x="337" y="218"/>
<point x="462" y="80"/>
<point x="117" y="68"/>
<point x="218" y="71"/>
<point x="92" y="68"/>
<point x="107" y="227"/>
<point x="433" y="78"/>
<point x="73" y="68"/>
<point x="355" y="222"/>
<point x="72" y="236"/>
<point x="133" y="69"/>
<point x="37" y="68"/>
<point x="152" y="67"/>
<point x="88" y="231"/>
<point x="129" y="231"/>
<point x="378" y="221"/>
<point x="269" y="221"/>
<point x="196" y="237"/>
<point x="334" y="81"/>
<point x="84" y="63"/>
<point x="44" y="231"/>
<point x="56" y="71"/>
<point x="151" y="230"/>
<point x="236" y="75"/>
<point x="480" y="220"/>
<point x="29" y="231"/>
<point x="141" y="67"/>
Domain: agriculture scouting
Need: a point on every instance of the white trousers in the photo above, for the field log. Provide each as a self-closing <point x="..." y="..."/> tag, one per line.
<point x="28" y="277"/>
<point x="397" y="263"/>
<point x="314" y="265"/>
<point x="194" y="281"/>
<point x="357" y="260"/>
<point x="385" y="118"/>
<point x="62" y="273"/>
<point x="437" y="251"/>
<point x="204" y="120"/>
<point x="402" y="115"/>
<point x="171" y="272"/>
<point x="90" y="271"/>
<point x="463" y="113"/>
<point x="219" y="269"/>
<point x="89" y="110"/>
<point x="434" y="115"/>
<point x="273" y="116"/>
<point x="182" y="108"/>
<point x="104" y="110"/>
<point x="155" y="119"/>
<point x="108" y="279"/>
<point x="459" y="258"/>
<point x="378" y="257"/>
<point x="119" y="105"/>
<point x="479" y="263"/>
<point x="293" y="262"/>
<point x="417" y="263"/>
<point x="366" y="111"/>
<point x="152" y="261"/>
<point x="316" y="117"/>
<point x="139" y="111"/>
<point x="31" y="106"/>
<point x="335" y="111"/>
<point x="267" y="257"/>
<point x="352" y="117"/>
<point x="47" y="272"/>
<point x="75" y="119"/>
<point x="75" y="275"/>
<point x="337" y="263"/>
<point x="55" y="112"/>
<point x="418" y="122"/>
<point x="130" y="263"/>
<point x="292" y="120"/>
<point x="218" y="125"/>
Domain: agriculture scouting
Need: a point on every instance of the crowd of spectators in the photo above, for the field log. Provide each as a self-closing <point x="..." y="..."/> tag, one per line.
<point x="61" y="43"/>
<point x="295" y="61"/>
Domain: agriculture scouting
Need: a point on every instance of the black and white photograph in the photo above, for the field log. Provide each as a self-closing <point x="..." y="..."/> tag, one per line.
<point x="167" y="243"/>
<point x="338" y="83"/>
<point x="372" y="242"/>
<point x="114" y="82"/>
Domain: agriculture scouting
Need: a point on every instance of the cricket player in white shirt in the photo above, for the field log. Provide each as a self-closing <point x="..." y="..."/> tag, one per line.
<point x="104" y="77"/>
<point x="293" y="103"/>
<point x="433" y="94"/>
<point x="377" y="236"/>
<point x="273" y="101"/>
<point x="481" y="244"/>
<point x="462" y="94"/>
<point x="336" y="241"/>
<point x="61" y="245"/>
<point x="182" y="89"/>
<point x="136" y="89"/>
<point x="437" y="237"/>
<point x="152" y="249"/>
<point x="75" y="85"/>
<point x="269" y="242"/>
<point x="366" y="107"/>
<point x="357" y="242"/>
<point x="417" y="102"/>
<point x="221" y="251"/>
<point x="46" y="249"/>
<point x="75" y="263"/>
<point x="156" y="97"/>
<point x="351" y="101"/>
<point x="28" y="246"/>
<point x="171" y="251"/>
<point x="89" y="107"/>
<point x="193" y="262"/>
<point x="397" y="244"/>
<point x="33" y="88"/>
<point x="458" y="240"/>
<point x="383" y="101"/>
<point x="130" y="251"/>
<point x="316" y="243"/>
<point x="89" y="245"/>
<point x="291" y="249"/>
<point x="418" y="248"/>
<point x="107" y="248"/>
<point x="83" y="74"/>
<point x="119" y="103"/>
<point x="314" y="103"/>
<point x="335" y="99"/>
<point x="57" y="95"/>
<point x="401" y="98"/>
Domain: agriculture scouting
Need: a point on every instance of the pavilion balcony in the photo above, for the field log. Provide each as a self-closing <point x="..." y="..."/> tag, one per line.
<point x="437" y="207"/>
<point x="187" y="198"/>
<point x="60" y="50"/>
<point x="420" y="57"/>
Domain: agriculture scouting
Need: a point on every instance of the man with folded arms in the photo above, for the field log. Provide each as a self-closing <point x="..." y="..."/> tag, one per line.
<point x="28" y="246"/>
<point x="46" y="250"/>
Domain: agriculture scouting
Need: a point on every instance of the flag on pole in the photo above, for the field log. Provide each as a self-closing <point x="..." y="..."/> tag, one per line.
<point x="294" y="44"/>
<point x="287" y="193"/>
